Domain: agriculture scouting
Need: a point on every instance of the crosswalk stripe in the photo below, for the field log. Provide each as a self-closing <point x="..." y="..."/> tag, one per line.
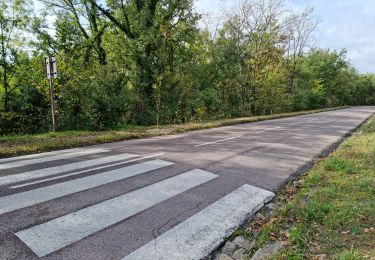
<point x="62" y="168"/>
<point x="197" y="236"/>
<point x="32" y="197"/>
<point x="84" y="171"/>
<point x="51" y="158"/>
<point x="39" y="155"/>
<point x="53" y="235"/>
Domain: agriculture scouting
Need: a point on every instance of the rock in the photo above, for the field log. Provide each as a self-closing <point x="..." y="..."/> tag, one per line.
<point x="244" y="242"/>
<point x="266" y="214"/>
<point x="260" y="216"/>
<point x="279" y="204"/>
<point x="228" y="248"/>
<point x="224" y="257"/>
<point x="267" y="251"/>
<point x="271" y="206"/>
<point x="239" y="254"/>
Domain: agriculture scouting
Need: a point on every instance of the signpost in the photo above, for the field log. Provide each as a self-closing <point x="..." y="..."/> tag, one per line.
<point x="51" y="74"/>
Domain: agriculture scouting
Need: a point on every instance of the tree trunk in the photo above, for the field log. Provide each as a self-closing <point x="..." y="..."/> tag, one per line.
<point x="6" y="91"/>
<point x="5" y="78"/>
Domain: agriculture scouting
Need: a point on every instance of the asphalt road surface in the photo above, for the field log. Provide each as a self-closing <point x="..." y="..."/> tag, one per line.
<point x="170" y="197"/>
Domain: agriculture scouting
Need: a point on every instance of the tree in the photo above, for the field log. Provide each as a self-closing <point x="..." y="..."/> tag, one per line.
<point x="90" y="26"/>
<point x="14" y="18"/>
<point x="149" y="62"/>
<point x="145" y="25"/>
<point x="252" y="34"/>
<point x="297" y="34"/>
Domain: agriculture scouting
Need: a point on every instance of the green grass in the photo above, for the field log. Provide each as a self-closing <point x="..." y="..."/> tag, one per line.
<point x="338" y="164"/>
<point x="350" y="255"/>
<point x="333" y="213"/>
<point x="13" y="145"/>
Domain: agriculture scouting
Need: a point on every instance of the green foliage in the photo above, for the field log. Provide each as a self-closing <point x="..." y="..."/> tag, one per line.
<point x="148" y="62"/>
<point x="315" y="211"/>
<point x="264" y="236"/>
<point x="338" y="164"/>
<point x="350" y="255"/>
<point x="299" y="236"/>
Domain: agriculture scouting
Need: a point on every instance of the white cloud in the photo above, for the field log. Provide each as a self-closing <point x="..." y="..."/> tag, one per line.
<point x="346" y="24"/>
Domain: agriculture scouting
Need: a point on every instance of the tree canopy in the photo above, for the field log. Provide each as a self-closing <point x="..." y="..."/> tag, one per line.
<point x="153" y="62"/>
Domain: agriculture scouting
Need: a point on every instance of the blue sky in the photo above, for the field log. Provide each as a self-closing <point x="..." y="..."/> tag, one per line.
<point x="346" y="24"/>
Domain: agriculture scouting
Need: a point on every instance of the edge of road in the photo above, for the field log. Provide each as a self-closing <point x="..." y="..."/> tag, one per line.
<point x="295" y="176"/>
<point x="11" y="146"/>
<point x="328" y="150"/>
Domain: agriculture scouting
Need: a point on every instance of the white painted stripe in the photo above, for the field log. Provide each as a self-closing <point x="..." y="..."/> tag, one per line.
<point x="197" y="236"/>
<point x="62" y="168"/>
<point x="277" y="127"/>
<point x="28" y="198"/>
<point x="53" y="235"/>
<point x="268" y="129"/>
<point x="52" y="158"/>
<point x="218" y="141"/>
<point x="296" y="123"/>
<point x="80" y="172"/>
<point x="31" y="156"/>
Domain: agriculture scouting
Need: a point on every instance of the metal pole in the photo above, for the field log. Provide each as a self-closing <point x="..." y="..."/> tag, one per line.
<point x="52" y="98"/>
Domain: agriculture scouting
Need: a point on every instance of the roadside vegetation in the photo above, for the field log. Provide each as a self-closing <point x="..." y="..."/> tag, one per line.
<point x="329" y="212"/>
<point x="13" y="145"/>
<point x="160" y="62"/>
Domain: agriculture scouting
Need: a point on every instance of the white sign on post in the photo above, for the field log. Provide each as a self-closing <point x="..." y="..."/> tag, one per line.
<point x="51" y="67"/>
<point x="51" y="74"/>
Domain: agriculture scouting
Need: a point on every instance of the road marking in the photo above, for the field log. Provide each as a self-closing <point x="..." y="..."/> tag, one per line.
<point x="53" y="235"/>
<point x="296" y="123"/>
<point x="275" y="128"/>
<point x="203" y="232"/>
<point x="52" y="158"/>
<point x="28" y="198"/>
<point x="232" y="138"/>
<point x="62" y="168"/>
<point x="268" y="129"/>
<point x="89" y="170"/>
<point x="218" y="141"/>
<point x="31" y="156"/>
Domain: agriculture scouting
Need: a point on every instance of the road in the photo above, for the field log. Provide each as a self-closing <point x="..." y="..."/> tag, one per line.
<point x="169" y="197"/>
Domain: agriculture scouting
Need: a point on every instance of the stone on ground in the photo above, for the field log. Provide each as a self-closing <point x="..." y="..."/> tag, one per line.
<point x="244" y="242"/>
<point x="228" y="248"/>
<point x="239" y="254"/>
<point x="267" y="251"/>
<point x="224" y="257"/>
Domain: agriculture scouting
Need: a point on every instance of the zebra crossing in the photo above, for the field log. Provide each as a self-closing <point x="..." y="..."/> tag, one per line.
<point x="62" y="168"/>
<point x="51" y="156"/>
<point x="192" y="238"/>
<point x="32" y="197"/>
<point x="173" y="197"/>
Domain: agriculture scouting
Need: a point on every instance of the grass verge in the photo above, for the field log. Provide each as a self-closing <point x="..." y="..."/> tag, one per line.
<point x="330" y="212"/>
<point x="13" y="145"/>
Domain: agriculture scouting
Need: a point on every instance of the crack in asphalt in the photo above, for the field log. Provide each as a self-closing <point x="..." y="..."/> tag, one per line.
<point x="156" y="231"/>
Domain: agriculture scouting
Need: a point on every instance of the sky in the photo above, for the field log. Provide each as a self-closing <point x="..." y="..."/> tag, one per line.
<point x="348" y="24"/>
